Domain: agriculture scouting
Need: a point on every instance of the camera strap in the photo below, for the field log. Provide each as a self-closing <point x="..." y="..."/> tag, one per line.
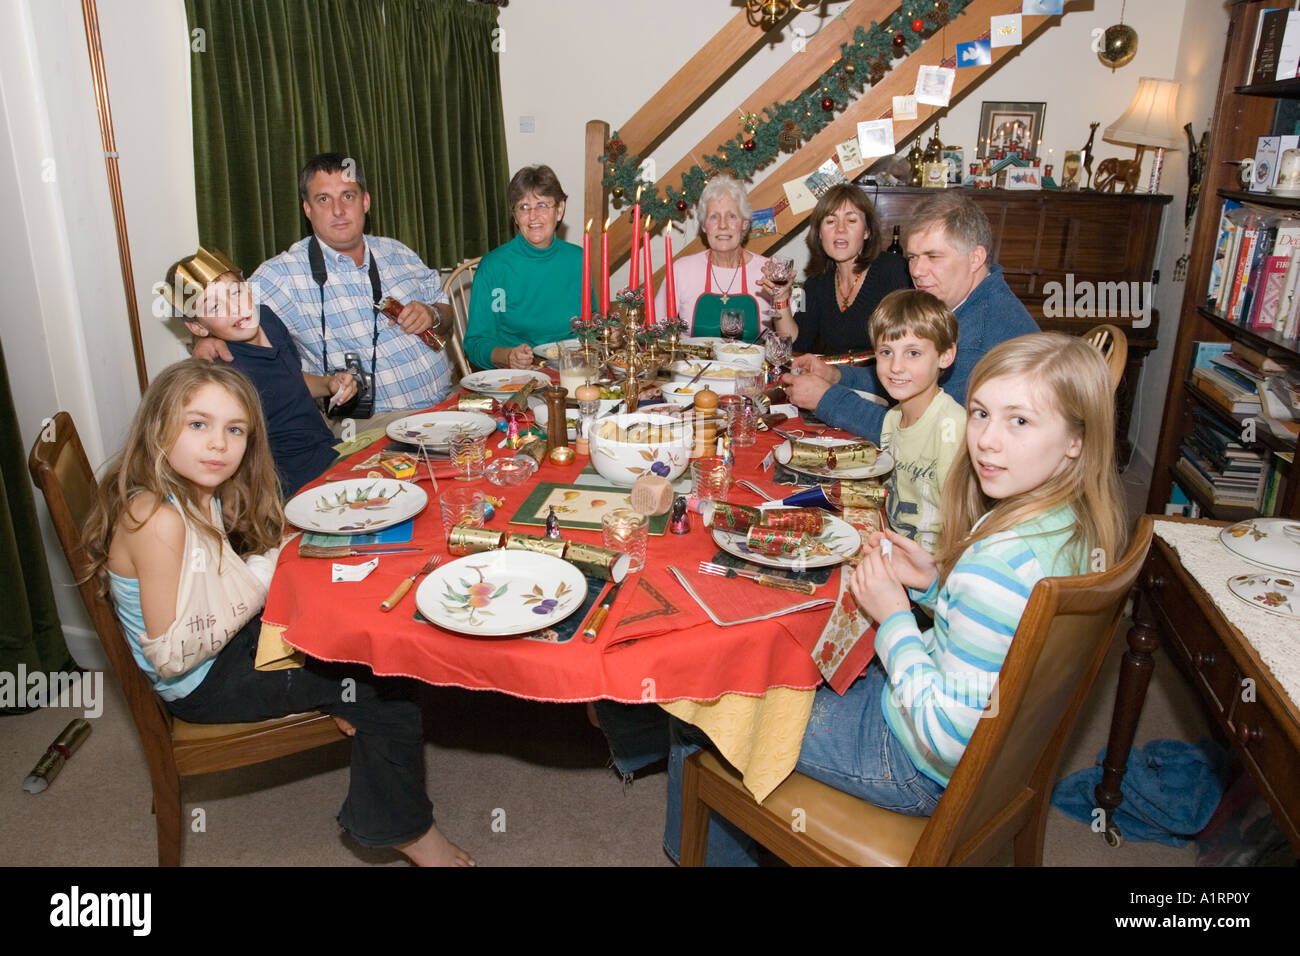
<point x="316" y="259"/>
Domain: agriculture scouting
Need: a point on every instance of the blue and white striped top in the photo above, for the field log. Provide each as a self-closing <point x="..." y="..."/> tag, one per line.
<point x="941" y="681"/>
<point x="408" y="374"/>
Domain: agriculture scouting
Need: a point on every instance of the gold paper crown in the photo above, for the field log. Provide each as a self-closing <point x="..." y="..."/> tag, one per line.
<point x="188" y="278"/>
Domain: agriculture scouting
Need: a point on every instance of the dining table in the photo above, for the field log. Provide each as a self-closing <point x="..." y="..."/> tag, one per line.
<point x="745" y="674"/>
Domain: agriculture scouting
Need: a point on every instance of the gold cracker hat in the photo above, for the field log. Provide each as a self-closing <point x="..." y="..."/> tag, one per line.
<point x="187" y="279"/>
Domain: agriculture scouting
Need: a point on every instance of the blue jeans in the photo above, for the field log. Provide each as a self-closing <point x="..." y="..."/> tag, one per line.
<point x="848" y="745"/>
<point x="386" y="803"/>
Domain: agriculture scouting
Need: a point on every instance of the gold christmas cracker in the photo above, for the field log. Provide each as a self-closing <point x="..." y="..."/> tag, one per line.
<point x="542" y="545"/>
<point x="862" y="494"/>
<point x="478" y="403"/>
<point x="596" y="561"/>
<point x="805" y="455"/>
<point x="467" y="539"/>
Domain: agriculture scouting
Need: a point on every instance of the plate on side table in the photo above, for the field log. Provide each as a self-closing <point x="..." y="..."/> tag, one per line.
<point x="1271" y="543"/>
<point x="1273" y="593"/>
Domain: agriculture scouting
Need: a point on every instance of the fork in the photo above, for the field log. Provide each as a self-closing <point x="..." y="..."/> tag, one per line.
<point x="767" y="580"/>
<point x="395" y="598"/>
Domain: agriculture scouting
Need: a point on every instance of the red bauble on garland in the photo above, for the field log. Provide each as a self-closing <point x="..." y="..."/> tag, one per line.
<point x="681" y="205"/>
<point x="899" y="44"/>
<point x="918" y="25"/>
<point x="747" y="145"/>
<point x="828" y="104"/>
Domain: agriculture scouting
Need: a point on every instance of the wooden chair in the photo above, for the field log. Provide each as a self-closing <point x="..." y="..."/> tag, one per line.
<point x="173" y="748"/>
<point x="1002" y="785"/>
<point x="1112" y="343"/>
<point x="457" y="289"/>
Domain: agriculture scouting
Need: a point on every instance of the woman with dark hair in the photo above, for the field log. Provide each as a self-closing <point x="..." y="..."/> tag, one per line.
<point x="526" y="291"/>
<point x="847" y="275"/>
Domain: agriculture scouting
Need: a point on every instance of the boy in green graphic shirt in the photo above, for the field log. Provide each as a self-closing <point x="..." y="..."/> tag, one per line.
<point x="915" y="338"/>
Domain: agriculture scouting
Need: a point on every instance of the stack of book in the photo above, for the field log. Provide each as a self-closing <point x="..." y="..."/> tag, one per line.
<point x="1255" y="273"/>
<point x="1215" y="463"/>
<point x="1276" y="53"/>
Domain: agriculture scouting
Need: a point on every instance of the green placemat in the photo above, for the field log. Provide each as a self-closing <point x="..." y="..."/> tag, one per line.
<point x="578" y="506"/>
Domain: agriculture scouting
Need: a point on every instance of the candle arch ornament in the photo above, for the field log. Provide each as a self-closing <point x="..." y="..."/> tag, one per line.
<point x="782" y="127"/>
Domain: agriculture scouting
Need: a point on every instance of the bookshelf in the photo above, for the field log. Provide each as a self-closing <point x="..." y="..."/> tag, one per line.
<point x="1243" y="113"/>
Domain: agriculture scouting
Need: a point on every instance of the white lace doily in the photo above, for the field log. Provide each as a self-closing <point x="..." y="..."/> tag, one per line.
<point x="1275" y="638"/>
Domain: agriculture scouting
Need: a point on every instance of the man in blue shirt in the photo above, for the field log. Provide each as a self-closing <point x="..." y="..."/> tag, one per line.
<point x="947" y="239"/>
<point x="328" y="305"/>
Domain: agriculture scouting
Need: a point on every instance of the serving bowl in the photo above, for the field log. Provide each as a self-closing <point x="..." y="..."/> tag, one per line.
<point x="625" y="447"/>
<point x="538" y="407"/>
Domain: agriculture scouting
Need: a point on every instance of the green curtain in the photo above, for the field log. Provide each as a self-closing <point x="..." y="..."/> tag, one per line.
<point x="30" y="633"/>
<point x="411" y="88"/>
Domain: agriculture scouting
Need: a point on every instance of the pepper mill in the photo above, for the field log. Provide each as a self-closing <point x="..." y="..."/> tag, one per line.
<point x="706" y="422"/>
<point x="557" y="426"/>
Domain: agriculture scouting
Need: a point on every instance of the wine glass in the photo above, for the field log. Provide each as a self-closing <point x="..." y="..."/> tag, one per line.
<point x="731" y="324"/>
<point x="777" y="350"/>
<point x="780" y="272"/>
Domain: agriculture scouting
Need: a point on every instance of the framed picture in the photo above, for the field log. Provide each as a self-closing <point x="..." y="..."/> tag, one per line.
<point x="953" y="157"/>
<point x="1071" y="168"/>
<point x="1010" y="126"/>
<point x="1024" y="177"/>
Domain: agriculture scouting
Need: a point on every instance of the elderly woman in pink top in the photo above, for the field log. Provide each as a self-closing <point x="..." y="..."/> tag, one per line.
<point x="725" y="275"/>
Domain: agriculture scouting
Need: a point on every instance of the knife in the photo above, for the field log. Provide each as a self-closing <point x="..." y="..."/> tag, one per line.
<point x="345" y="551"/>
<point x="598" y="616"/>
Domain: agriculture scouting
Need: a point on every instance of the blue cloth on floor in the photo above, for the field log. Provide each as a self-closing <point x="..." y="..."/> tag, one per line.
<point x="1170" y="791"/>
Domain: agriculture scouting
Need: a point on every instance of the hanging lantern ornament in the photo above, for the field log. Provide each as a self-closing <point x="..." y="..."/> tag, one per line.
<point x="899" y="44"/>
<point x="1119" y="45"/>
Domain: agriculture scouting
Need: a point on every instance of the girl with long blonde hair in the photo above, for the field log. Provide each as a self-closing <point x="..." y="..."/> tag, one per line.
<point x="184" y="536"/>
<point x="1033" y="494"/>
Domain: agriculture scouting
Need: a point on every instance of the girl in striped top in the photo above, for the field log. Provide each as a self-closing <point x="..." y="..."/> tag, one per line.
<point x="1034" y="494"/>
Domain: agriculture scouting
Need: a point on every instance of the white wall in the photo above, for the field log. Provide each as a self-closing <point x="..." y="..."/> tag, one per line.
<point x="66" y="338"/>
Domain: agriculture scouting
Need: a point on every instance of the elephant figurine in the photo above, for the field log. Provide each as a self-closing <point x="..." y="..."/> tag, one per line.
<point x="1114" y="172"/>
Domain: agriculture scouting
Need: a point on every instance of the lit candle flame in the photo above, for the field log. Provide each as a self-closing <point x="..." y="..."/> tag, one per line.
<point x="608" y="220"/>
<point x="587" y="228"/>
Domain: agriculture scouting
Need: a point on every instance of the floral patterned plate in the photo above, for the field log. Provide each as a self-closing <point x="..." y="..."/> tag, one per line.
<point x="1273" y="593"/>
<point x="503" y="382"/>
<point x="355" y="505"/>
<point x="433" y="430"/>
<point x="838" y="542"/>
<point x="501" y="593"/>
<point x="1272" y="543"/>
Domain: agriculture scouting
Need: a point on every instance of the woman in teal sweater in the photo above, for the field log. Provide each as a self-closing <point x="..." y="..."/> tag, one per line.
<point x="527" y="291"/>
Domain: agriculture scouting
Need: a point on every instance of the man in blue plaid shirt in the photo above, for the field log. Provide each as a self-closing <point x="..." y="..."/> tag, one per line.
<point x="328" y="320"/>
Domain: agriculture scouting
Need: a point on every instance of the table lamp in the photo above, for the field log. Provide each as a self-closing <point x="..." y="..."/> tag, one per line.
<point x="1150" y="120"/>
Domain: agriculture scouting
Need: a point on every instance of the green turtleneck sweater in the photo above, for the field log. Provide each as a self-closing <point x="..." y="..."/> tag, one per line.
<point x="522" y="294"/>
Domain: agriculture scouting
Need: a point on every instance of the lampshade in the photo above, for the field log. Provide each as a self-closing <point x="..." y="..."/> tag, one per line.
<point x="1150" y="119"/>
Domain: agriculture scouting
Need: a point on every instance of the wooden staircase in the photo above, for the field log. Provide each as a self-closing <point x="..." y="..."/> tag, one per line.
<point x="730" y="47"/>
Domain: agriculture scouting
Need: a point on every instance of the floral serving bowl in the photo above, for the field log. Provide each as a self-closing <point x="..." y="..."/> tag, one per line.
<point x="625" y="447"/>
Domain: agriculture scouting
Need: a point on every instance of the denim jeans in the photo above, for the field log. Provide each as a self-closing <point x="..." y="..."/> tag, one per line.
<point x="848" y="745"/>
<point x="386" y="804"/>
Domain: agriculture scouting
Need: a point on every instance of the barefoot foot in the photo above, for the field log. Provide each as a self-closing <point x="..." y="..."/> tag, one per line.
<point x="434" y="849"/>
<point x="345" y="727"/>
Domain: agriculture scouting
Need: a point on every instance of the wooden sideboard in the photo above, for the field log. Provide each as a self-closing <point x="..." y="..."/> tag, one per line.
<point x="1046" y="236"/>
<point x="1241" y="696"/>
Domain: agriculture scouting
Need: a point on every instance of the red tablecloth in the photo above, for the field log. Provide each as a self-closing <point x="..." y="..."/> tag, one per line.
<point x="658" y="644"/>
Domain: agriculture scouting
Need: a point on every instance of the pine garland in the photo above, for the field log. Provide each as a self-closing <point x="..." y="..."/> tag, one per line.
<point x="862" y="63"/>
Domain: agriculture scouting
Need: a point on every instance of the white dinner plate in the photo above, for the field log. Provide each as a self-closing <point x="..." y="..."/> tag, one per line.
<point x="500" y="593"/>
<point x="1272" y="543"/>
<point x="550" y="351"/>
<point x="883" y="464"/>
<point x="355" y="505"/>
<point x="839" y="541"/>
<point x="433" y="430"/>
<point x="502" y="382"/>
<point x="1272" y="593"/>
